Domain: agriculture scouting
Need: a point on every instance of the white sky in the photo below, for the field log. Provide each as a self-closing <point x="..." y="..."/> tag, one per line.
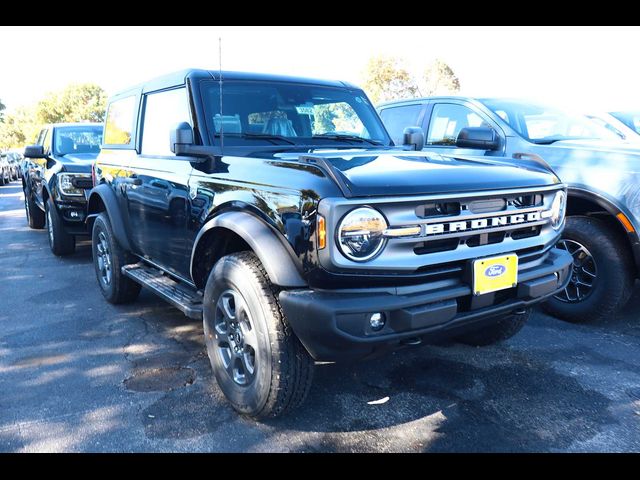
<point x="583" y="68"/>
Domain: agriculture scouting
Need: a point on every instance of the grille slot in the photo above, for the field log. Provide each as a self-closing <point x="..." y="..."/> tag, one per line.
<point x="441" y="209"/>
<point x="445" y="245"/>
<point x="485" y="239"/>
<point x="486" y="206"/>
<point x="525" y="232"/>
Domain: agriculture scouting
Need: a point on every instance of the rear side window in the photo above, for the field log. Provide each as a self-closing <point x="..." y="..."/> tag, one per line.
<point x="396" y="119"/>
<point x="162" y="112"/>
<point x="119" y="125"/>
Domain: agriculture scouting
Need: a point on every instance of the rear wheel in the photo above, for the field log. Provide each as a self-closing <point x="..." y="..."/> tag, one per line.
<point x="602" y="274"/>
<point x="108" y="259"/>
<point x="505" y="328"/>
<point x="35" y="216"/>
<point x="61" y="242"/>
<point x="259" y="363"/>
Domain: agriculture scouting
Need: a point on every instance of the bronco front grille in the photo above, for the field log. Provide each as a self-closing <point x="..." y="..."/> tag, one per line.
<point x="448" y="229"/>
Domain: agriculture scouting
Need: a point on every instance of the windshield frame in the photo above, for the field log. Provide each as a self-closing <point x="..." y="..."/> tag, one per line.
<point x="494" y="105"/>
<point x="305" y="142"/>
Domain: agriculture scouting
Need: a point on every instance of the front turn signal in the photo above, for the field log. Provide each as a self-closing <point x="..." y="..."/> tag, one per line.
<point x="322" y="232"/>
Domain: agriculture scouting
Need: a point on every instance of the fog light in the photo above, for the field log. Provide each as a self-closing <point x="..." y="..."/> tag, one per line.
<point x="377" y="321"/>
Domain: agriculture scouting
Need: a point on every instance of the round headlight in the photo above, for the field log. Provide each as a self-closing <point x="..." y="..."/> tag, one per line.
<point x="360" y="234"/>
<point x="558" y="208"/>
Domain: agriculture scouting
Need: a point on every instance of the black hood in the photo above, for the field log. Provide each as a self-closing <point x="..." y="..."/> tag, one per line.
<point x="414" y="173"/>
<point x="77" y="162"/>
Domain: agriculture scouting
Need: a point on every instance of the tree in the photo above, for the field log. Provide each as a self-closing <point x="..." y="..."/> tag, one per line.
<point x="18" y="128"/>
<point x="2" y="107"/>
<point x="439" y="79"/>
<point x="85" y="102"/>
<point x="385" y="78"/>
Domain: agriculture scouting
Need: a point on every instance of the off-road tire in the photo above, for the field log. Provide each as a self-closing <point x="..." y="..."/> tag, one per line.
<point x="283" y="368"/>
<point x="35" y="216"/>
<point x="613" y="284"/>
<point x="120" y="289"/>
<point x="60" y="242"/>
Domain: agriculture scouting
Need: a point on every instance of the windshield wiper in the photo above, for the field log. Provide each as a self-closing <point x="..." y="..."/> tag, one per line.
<point x="264" y="136"/>
<point x="354" y="138"/>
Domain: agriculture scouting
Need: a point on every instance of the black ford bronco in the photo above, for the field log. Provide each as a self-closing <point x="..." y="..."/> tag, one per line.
<point x="57" y="180"/>
<point x="278" y="211"/>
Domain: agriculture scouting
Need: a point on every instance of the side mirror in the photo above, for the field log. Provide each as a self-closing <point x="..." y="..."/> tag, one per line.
<point x="413" y="137"/>
<point x="180" y="138"/>
<point x="483" y="138"/>
<point x="34" y="151"/>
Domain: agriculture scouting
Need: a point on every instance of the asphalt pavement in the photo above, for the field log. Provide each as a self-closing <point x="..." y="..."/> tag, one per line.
<point x="78" y="374"/>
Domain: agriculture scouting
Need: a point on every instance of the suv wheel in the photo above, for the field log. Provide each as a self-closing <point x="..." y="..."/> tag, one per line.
<point x="602" y="276"/>
<point x="505" y="328"/>
<point x="108" y="259"/>
<point x="259" y="363"/>
<point x="61" y="242"/>
<point x="35" y="216"/>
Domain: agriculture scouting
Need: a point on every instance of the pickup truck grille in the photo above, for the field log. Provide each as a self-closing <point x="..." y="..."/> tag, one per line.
<point x="449" y="229"/>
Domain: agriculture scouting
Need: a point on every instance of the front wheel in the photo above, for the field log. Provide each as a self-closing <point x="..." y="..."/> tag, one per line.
<point x="108" y="259"/>
<point x="602" y="274"/>
<point x="503" y="329"/>
<point x="259" y="363"/>
<point x="60" y="242"/>
<point x="35" y="216"/>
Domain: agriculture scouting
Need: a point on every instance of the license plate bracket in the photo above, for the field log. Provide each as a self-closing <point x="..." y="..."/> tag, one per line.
<point x="492" y="274"/>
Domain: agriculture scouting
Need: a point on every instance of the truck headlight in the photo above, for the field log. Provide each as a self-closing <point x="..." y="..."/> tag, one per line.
<point x="361" y="234"/>
<point x="558" y="209"/>
<point x="65" y="184"/>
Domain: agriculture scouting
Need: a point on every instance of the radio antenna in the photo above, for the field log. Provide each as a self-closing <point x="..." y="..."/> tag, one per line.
<point x="220" y="84"/>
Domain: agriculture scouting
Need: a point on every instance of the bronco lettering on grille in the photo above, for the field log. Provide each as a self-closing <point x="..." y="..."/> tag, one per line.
<point x="479" y="223"/>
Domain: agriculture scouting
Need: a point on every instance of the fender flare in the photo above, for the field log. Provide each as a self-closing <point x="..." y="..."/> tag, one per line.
<point x="108" y="198"/>
<point x="275" y="256"/>
<point x="612" y="207"/>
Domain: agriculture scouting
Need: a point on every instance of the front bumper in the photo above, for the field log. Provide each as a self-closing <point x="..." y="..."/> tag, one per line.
<point x="334" y="325"/>
<point x="73" y="214"/>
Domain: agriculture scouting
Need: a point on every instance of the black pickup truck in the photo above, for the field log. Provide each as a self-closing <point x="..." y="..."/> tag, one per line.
<point x="57" y="180"/>
<point x="279" y="211"/>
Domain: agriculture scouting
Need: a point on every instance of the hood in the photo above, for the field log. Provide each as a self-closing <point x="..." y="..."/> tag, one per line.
<point x="77" y="162"/>
<point x="368" y="173"/>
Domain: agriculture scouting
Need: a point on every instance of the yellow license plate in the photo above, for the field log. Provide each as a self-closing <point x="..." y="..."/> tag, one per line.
<point x="495" y="273"/>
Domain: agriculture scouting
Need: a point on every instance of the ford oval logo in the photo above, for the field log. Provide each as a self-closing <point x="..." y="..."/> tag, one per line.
<point x="495" y="270"/>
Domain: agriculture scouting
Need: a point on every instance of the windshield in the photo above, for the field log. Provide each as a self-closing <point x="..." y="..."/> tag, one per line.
<point x="630" y="119"/>
<point x="545" y="125"/>
<point x="268" y="113"/>
<point x="80" y="139"/>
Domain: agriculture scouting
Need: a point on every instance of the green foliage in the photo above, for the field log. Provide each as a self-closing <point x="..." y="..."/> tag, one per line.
<point x="18" y="128"/>
<point x="75" y="103"/>
<point x="84" y="102"/>
<point x="439" y="79"/>
<point x="2" y="107"/>
<point x="387" y="79"/>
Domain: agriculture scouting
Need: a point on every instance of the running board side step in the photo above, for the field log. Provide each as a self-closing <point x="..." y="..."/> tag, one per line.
<point x="181" y="296"/>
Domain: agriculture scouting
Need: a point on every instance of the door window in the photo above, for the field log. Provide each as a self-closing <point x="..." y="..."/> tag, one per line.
<point x="447" y="119"/>
<point x="396" y="119"/>
<point x="162" y="112"/>
<point x="119" y="124"/>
